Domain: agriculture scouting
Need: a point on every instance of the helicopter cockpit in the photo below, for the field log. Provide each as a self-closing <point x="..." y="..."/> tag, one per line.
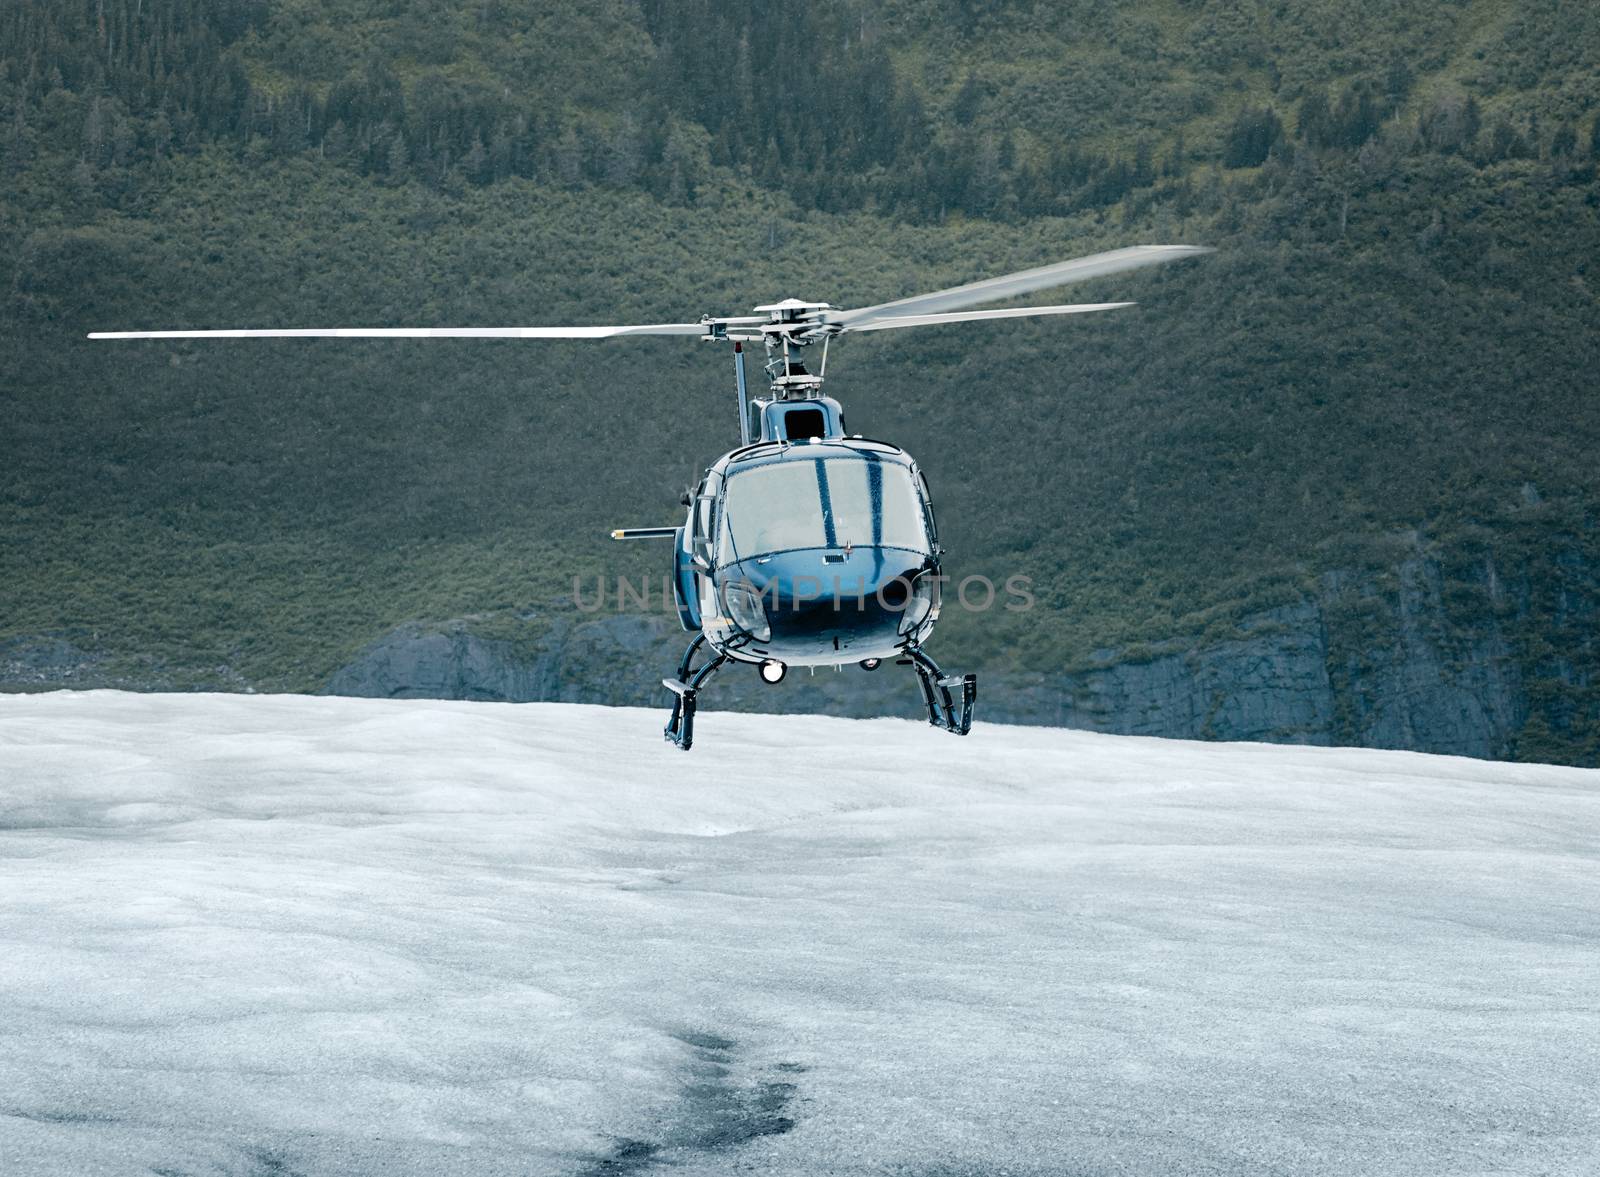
<point x="814" y="553"/>
<point x="838" y="497"/>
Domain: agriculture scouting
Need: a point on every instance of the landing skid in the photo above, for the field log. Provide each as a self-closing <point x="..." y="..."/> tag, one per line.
<point x="949" y="697"/>
<point x="686" y="689"/>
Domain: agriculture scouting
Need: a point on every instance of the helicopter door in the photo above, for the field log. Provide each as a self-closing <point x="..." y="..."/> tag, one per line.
<point x="693" y="587"/>
<point x="927" y="510"/>
<point x="703" y="536"/>
<point x="685" y="595"/>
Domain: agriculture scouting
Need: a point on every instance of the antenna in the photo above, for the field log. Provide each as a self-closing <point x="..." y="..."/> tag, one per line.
<point x="744" y="401"/>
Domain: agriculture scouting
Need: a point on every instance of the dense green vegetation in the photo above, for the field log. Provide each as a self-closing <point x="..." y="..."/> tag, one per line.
<point x="1392" y="353"/>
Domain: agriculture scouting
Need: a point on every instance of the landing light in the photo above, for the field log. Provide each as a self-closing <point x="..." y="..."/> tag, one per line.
<point x="772" y="671"/>
<point x="871" y="663"/>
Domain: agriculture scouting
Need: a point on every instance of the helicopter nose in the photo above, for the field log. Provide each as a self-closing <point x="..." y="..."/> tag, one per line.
<point x="826" y="611"/>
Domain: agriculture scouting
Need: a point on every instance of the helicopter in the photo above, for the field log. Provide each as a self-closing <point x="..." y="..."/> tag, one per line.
<point x="806" y="545"/>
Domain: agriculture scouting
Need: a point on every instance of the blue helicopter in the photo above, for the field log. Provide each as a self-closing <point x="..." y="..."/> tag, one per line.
<point x="806" y="545"/>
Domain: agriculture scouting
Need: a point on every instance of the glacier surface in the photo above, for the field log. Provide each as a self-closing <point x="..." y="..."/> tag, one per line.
<point x="290" y="935"/>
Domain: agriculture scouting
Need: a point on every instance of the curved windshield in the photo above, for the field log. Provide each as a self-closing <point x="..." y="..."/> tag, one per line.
<point x="847" y="499"/>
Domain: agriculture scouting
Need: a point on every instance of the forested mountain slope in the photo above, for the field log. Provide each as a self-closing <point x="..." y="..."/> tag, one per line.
<point x="1365" y="426"/>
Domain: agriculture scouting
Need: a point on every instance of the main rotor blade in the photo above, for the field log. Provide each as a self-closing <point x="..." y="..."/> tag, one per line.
<point x="1076" y="308"/>
<point x="1011" y="285"/>
<point x="416" y="332"/>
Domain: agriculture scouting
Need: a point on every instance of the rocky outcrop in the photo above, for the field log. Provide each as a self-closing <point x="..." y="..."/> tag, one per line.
<point x="39" y="663"/>
<point x="42" y="662"/>
<point x="1370" y="659"/>
<point x="1467" y="661"/>
<point x="1405" y="677"/>
<point x="415" y="662"/>
<point x="618" y="660"/>
<point x="1269" y="683"/>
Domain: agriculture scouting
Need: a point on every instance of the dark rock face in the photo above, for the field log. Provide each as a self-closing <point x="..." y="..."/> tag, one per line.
<point x="1368" y="660"/>
<point x="1417" y="687"/>
<point x="1271" y="684"/>
<point x="39" y="663"/>
<point x="1356" y="665"/>
<point x="413" y="662"/>
<point x="46" y="662"/>
<point x="617" y="660"/>
<point x="1470" y="662"/>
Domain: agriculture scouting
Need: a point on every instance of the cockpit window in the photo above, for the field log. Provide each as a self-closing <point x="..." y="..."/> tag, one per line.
<point x="842" y="500"/>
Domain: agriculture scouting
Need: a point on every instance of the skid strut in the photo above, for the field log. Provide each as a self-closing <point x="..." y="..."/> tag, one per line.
<point x="949" y="697"/>
<point x="685" y="689"/>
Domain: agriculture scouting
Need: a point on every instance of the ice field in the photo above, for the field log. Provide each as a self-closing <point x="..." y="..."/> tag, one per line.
<point x="291" y="935"/>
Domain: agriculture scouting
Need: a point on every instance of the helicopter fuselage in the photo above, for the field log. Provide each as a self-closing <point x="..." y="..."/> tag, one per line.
<point x="819" y="551"/>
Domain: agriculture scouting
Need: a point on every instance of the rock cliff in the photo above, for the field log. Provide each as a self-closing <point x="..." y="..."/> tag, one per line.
<point x="1464" y="658"/>
<point x="1412" y="657"/>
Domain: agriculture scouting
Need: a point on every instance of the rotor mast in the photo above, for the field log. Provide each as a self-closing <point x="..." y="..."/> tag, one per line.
<point x="782" y="329"/>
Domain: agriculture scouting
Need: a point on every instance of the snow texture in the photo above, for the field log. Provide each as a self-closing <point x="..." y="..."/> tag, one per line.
<point x="274" y="936"/>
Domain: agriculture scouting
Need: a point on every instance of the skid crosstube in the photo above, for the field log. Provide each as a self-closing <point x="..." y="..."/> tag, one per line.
<point x="949" y="697"/>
